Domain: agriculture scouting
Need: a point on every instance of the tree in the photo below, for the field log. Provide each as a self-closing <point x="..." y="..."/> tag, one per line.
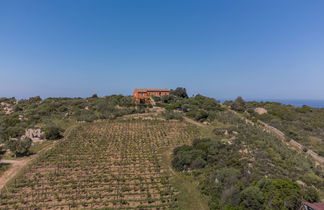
<point x="239" y="104"/>
<point x="94" y="96"/>
<point x="19" y="146"/>
<point x="180" y="92"/>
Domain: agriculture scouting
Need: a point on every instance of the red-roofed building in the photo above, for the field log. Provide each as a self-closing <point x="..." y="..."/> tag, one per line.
<point x="311" y="206"/>
<point x="144" y="95"/>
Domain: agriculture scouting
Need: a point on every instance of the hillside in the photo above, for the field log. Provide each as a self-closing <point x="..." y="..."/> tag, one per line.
<point x="35" y="112"/>
<point x="118" y="155"/>
<point x="303" y="124"/>
<point x="237" y="157"/>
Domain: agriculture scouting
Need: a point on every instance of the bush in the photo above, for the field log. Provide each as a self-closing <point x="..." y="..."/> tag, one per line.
<point x="168" y="99"/>
<point x="198" y="163"/>
<point x="172" y="115"/>
<point x="310" y="194"/>
<point x="184" y="157"/>
<point x="89" y="117"/>
<point x="198" y="115"/>
<point x="280" y="194"/>
<point x="53" y="132"/>
<point x="14" y="131"/>
<point x="312" y="179"/>
<point x="252" y="198"/>
<point x="19" y="146"/>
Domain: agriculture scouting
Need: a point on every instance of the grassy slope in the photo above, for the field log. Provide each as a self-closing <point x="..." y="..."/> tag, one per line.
<point x="189" y="196"/>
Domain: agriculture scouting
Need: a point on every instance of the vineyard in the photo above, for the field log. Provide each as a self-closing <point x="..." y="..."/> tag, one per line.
<point x="103" y="165"/>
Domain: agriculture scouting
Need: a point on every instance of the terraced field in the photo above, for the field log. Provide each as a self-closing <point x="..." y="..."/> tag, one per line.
<point x="104" y="165"/>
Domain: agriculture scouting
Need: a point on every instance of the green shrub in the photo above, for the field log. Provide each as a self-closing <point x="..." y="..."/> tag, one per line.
<point x="252" y="198"/>
<point x="172" y="115"/>
<point x="311" y="194"/>
<point x="239" y="104"/>
<point x="53" y="132"/>
<point x="280" y="194"/>
<point x="14" y="131"/>
<point x="19" y="146"/>
<point x="312" y="179"/>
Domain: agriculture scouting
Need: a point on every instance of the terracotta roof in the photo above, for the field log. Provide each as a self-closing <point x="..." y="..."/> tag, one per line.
<point x="316" y="206"/>
<point x="152" y="90"/>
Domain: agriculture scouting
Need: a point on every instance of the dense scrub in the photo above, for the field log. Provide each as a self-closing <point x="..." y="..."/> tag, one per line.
<point x="199" y="108"/>
<point x="303" y="124"/>
<point x="52" y="114"/>
<point x="102" y="165"/>
<point x="243" y="167"/>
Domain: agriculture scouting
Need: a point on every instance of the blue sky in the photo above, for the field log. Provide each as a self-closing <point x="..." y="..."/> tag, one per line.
<point x="256" y="49"/>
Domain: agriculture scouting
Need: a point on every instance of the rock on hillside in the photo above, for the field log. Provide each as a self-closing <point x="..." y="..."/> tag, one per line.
<point x="260" y="110"/>
<point x="7" y="108"/>
<point x="34" y="134"/>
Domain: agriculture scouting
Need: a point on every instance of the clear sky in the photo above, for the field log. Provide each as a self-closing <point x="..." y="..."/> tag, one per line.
<point x="262" y="49"/>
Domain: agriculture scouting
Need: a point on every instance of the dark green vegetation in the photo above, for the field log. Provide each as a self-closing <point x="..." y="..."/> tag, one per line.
<point x="180" y="92"/>
<point x="52" y="132"/>
<point x="199" y="108"/>
<point x="239" y="166"/>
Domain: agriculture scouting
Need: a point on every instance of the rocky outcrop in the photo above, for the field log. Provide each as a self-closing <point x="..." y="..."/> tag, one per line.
<point x="261" y="110"/>
<point x="34" y="134"/>
<point x="7" y="108"/>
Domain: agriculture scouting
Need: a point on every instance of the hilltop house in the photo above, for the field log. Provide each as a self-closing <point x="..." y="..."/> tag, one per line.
<point x="144" y="95"/>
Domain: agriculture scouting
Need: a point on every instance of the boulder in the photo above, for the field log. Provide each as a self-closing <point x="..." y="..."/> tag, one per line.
<point x="261" y="110"/>
<point x="34" y="134"/>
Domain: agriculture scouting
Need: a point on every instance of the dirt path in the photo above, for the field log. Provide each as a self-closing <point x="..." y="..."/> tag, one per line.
<point x="18" y="165"/>
<point x="291" y="142"/>
<point x="193" y="122"/>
